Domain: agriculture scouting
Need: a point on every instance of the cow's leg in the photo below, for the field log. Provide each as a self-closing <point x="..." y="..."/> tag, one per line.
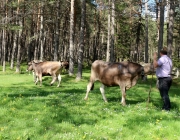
<point x="40" y="80"/>
<point x="34" y="76"/>
<point x="59" y="80"/>
<point x="89" y="86"/>
<point x="54" y="77"/>
<point x="37" y="79"/>
<point x="103" y="92"/>
<point x="123" y="91"/>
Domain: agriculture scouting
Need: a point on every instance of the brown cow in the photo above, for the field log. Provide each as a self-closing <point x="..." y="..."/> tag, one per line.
<point x="47" y="68"/>
<point x="30" y="68"/>
<point x="124" y="75"/>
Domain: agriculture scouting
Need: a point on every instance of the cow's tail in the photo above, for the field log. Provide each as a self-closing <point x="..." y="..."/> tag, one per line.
<point x="92" y="87"/>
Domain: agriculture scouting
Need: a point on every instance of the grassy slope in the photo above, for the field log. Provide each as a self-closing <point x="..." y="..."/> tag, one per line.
<point x="42" y="113"/>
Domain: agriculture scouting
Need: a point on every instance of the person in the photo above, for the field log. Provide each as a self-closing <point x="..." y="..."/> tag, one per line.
<point x="163" y="73"/>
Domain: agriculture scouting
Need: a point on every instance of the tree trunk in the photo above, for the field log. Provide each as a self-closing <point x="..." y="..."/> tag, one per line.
<point x="157" y="17"/>
<point x="57" y="27"/>
<point x="112" y="57"/>
<point x="4" y="49"/>
<point x="36" y="30"/>
<point x="19" y="40"/>
<point x="146" y="32"/>
<point x="138" y="34"/>
<point x="41" y="37"/>
<point x="81" y="42"/>
<point x="71" y="40"/>
<point x="19" y="48"/>
<point x="1" y="51"/>
<point x="170" y="28"/>
<point x="14" y="49"/>
<point x="4" y="38"/>
<point x="109" y="35"/>
<point x="161" y="25"/>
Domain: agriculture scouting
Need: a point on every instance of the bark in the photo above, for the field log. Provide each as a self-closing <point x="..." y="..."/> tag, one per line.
<point x="4" y="49"/>
<point x="170" y="28"/>
<point x="161" y="25"/>
<point x="57" y="29"/>
<point x="146" y="32"/>
<point x="41" y="32"/>
<point x="36" y="30"/>
<point x="71" y="40"/>
<point x="1" y="55"/>
<point x="81" y="42"/>
<point x="19" y="48"/>
<point x="157" y="17"/>
<point x="4" y="38"/>
<point x="112" y="57"/>
<point x="109" y="35"/>
<point x="13" y="50"/>
<point x="138" y="33"/>
<point x="20" y="19"/>
<point x="30" y="42"/>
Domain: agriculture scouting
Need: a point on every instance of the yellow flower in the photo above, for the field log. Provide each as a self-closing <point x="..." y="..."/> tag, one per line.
<point x="2" y="129"/>
<point x="84" y="136"/>
<point x="18" y="138"/>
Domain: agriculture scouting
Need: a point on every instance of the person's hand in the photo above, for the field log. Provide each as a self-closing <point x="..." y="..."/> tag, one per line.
<point x="155" y="56"/>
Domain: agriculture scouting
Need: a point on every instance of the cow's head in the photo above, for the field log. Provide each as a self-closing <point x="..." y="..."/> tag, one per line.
<point x="29" y="67"/>
<point x="65" y="64"/>
<point x="149" y="68"/>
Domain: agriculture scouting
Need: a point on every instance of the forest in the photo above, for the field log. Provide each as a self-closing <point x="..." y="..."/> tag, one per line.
<point x="81" y="31"/>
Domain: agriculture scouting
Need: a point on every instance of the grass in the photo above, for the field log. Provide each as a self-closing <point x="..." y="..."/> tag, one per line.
<point x="30" y="112"/>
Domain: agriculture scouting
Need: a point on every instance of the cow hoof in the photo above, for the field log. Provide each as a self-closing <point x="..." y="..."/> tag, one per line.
<point x="106" y="101"/>
<point x="123" y="104"/>
<point x="85" y="98"/>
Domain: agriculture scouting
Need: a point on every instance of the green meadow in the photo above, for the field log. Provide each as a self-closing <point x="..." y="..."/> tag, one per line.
<point x="31" y="112"/>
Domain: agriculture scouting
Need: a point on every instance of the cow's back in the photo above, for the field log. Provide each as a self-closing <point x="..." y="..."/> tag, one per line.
<point x="47" y="67"/>
<point x="112" y="74"/>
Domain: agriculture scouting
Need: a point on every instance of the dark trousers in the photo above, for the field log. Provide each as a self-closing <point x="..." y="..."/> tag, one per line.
<point x="164" y="86"/>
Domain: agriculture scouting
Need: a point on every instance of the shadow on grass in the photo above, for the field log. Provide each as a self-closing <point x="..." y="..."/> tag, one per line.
<point x="70" y="85"/>
<point x="28" y="93"/>
<point x="70" y="96"/>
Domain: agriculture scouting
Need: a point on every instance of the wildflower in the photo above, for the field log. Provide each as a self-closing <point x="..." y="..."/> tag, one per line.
<point x="84" y="136"/>
<point x="2" y="129"/>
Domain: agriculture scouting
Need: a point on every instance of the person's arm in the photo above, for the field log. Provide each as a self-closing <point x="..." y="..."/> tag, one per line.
<point x="155" y="63"/>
